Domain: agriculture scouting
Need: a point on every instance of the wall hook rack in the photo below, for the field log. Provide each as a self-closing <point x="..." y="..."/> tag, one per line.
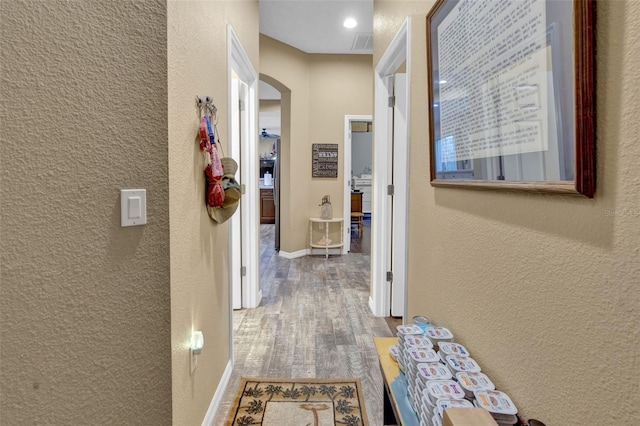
<point x="205" y="105"/>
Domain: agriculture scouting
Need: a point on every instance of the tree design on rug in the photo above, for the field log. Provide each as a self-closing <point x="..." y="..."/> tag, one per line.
<point x="328" y="391"/>
<point x="245" y="421"/>
<point x="272" y="390"/>
<point x="347" y="391"/>
<point x="254" y="407"/>
<point x="308" y="391"/>
<point x="255" y="392"/>
<point x="314" y="409"/>
<point x="292" y="393"/>
<point x="343" y="406"/>
<point x="350" y="421"/>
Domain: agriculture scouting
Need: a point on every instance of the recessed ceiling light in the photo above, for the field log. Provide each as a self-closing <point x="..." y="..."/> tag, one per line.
<point x="350" y="23"/>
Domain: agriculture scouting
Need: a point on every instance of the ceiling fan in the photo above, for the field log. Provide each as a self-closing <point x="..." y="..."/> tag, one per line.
<point x="265" y="135"/>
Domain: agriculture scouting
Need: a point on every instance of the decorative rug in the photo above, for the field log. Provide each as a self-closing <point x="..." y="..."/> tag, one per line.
<point x="298" y="402"/>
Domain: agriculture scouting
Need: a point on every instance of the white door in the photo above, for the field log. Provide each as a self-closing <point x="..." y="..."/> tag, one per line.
<point x="244" y="231"/>
<point x="400" y="182"/>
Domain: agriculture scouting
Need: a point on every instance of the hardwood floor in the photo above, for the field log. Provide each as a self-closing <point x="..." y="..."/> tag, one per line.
<point x="361" y="243"/>
<point x="313" y="321"/>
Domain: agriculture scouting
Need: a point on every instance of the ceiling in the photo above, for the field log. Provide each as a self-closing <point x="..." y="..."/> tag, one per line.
<point x="315" y="26"/>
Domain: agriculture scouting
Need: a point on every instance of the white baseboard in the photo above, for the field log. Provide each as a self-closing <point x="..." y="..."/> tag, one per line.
<point x="372" y="306"/>
<point x="294" y="255"/>
<point x="217" y="396"/>
<point x="254" y="302"/>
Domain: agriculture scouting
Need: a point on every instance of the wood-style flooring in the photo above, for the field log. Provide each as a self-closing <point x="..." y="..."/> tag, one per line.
<point x="313" y="321"/>
<point x="361" y="243"/>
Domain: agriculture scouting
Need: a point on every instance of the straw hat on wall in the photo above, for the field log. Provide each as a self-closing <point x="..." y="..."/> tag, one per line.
<point x="232" y="192"/>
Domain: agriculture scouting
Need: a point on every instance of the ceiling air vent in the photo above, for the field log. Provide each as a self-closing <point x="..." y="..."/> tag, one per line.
<point x="363" y="41"/>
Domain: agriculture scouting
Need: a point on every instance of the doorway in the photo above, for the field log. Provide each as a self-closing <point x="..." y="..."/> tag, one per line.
<point x="275" y="111"/>
<point x="390" y="181"/>
<point x="358" y="145"/>
<point x="269" y="146"/>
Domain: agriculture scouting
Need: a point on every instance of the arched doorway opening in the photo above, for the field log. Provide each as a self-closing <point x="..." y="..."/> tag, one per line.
<point x="282" y="144"/>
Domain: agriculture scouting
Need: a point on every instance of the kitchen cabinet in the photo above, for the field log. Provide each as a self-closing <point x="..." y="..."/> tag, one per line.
<point x="267" y="206"/>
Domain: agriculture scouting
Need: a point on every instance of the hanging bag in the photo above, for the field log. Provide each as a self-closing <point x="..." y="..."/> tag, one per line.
<point x="213" y="169"/>
<point x="222" y="191"/>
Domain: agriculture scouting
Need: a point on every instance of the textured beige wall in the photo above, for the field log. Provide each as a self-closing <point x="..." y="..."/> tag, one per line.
<point x="197" y="56"/>
<point x="340" y="85"/>
<point x="290" y="67"/>
<point x="388" y="17"/>
<point x="84" y="303"/>
<point x="324" y="88"/>
<point x="542" y="289"/>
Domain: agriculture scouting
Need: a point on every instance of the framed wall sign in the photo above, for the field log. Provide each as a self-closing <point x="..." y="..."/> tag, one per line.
<point x="511" y="95"/>
<point x="324" y="160"/>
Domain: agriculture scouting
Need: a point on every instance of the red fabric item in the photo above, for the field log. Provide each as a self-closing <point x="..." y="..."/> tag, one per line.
<point x="214" y="170"/>
<point x="204" y="139"/>
<point x="216" y="164"/>
<point x="215" y="194"/>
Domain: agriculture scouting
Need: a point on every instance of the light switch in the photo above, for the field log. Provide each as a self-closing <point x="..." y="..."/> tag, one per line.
<point x="133" y="207"/>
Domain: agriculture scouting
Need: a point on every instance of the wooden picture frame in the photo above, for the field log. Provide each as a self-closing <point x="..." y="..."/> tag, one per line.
<point x="324" y="160"/>
<point x="511" y="95"/>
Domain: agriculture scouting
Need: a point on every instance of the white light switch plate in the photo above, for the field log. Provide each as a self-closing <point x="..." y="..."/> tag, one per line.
<point x="133" y="207"/>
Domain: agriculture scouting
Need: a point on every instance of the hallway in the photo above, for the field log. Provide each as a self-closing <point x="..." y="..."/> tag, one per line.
<point x="313" y="321"/>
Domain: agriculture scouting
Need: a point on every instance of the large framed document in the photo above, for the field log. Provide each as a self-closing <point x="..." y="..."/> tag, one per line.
<point x="511" y="95"/>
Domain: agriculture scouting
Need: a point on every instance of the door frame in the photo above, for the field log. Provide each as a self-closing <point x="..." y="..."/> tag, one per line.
<point x="398" y="52"/>
<point x="243" y="227"/>
<point x="346" y="184"/>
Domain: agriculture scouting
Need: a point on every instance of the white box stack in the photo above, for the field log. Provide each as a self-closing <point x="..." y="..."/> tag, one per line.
<point x="441" y="374"/>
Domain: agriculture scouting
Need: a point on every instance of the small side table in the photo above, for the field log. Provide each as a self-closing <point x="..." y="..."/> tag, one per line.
<point x="324" y="243"/>
<point x="397" y="409"/>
